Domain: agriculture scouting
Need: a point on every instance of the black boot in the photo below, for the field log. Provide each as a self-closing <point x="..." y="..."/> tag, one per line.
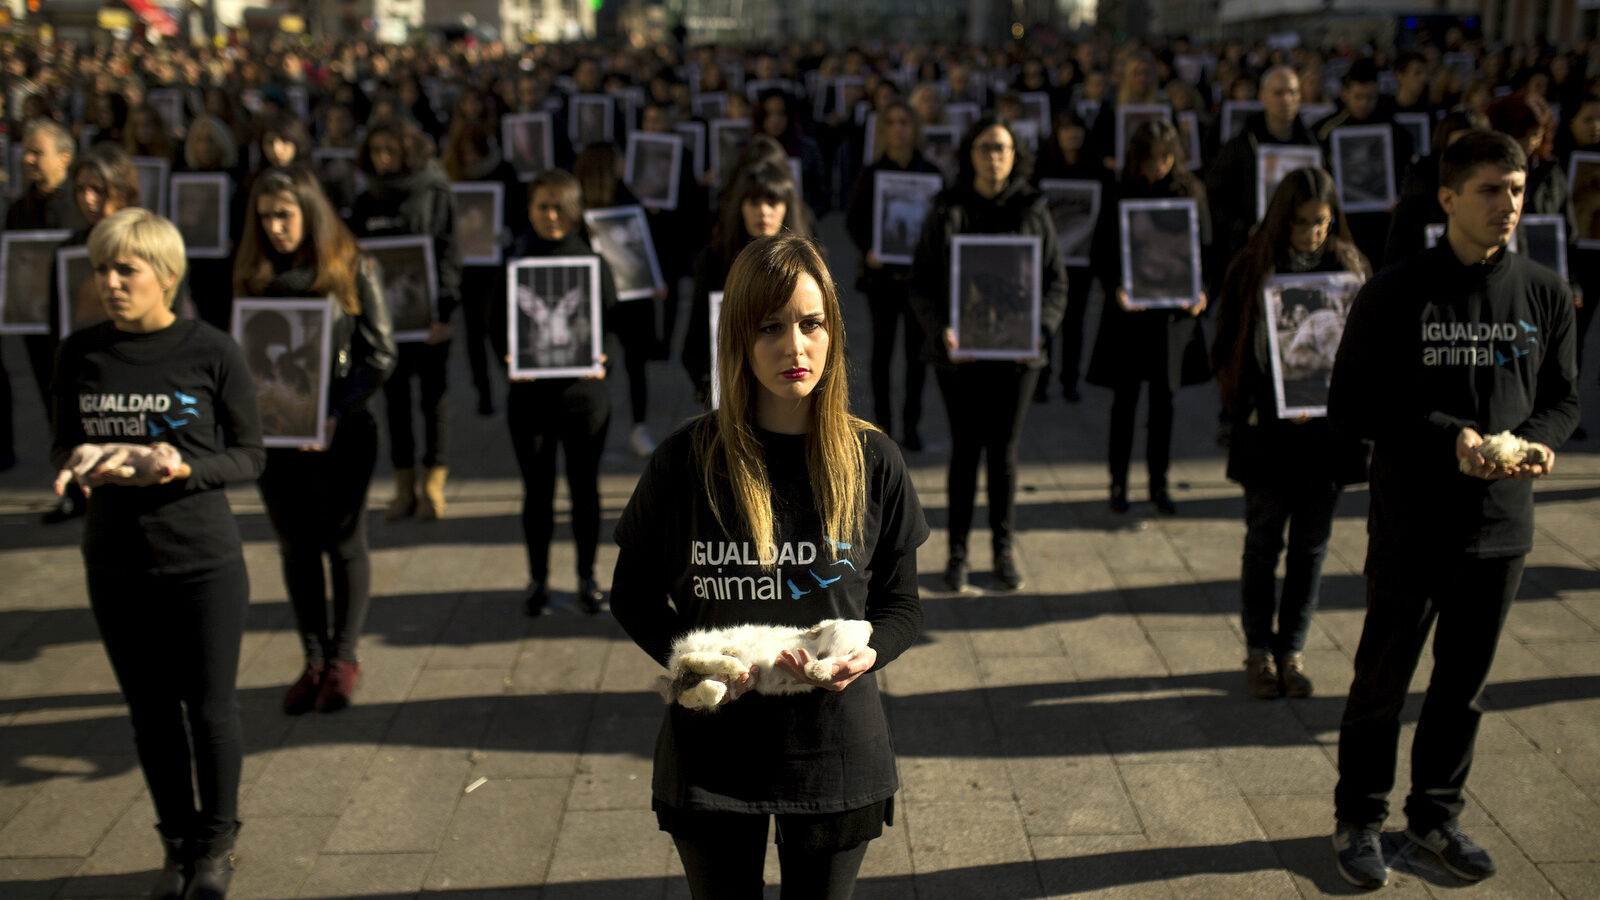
<point x="176" y="871"/>
<point x="213" y="866"/>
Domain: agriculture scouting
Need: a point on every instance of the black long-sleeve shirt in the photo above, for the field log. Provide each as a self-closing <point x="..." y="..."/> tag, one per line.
<point x="1433" y="346"/>
<point x="188" y="385"/>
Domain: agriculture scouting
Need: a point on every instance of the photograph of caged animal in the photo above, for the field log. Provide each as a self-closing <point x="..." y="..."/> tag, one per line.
<point x="705" y="660"/>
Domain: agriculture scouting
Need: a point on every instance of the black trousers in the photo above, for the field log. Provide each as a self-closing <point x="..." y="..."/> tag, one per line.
<point x="1469" y="598"/>
<point x="1158" y="449"/>
<point x="317" y="502"/>
<point x="573" y="413"/>
<point x="483" y="288"/>
<point x="1071" y="331"/>
<point x="426" y="362"/>
<point x="41" y="349"/>
<point x="173" y="642"/>
<point x="819" y="856"/>
<point x="889" y="303"/>
<point x="985" y="402"/>
<point x="634" y="322"/>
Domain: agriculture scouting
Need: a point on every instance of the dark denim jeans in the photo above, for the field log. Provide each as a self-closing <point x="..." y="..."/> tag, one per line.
<point x="1307" y="511"/>
<point x="1469" y="597"/>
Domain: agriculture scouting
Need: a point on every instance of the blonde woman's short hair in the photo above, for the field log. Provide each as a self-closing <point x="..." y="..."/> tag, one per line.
<point x="141" y="233"/>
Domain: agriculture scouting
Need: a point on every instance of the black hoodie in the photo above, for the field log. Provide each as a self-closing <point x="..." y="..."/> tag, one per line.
<point x="418" y="202"/>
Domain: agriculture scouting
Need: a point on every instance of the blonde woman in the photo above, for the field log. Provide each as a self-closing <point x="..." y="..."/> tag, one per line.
<point x="165" y="571"/>
<point x="778" y="507"/>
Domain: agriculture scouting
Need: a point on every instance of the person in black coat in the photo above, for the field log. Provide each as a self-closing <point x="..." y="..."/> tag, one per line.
<point x="1580" y="131"/>
<point x="1418" y="206"/>
<point x="1162" y="346"/>
<point x="1359" y="104"/>
<point x="986" y="400"/>
<point x="1292" y="470"/>
<point x="1065" y="156"/>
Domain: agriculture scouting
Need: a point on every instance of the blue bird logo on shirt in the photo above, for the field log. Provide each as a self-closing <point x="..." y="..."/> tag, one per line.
<point x="794" y="590"/>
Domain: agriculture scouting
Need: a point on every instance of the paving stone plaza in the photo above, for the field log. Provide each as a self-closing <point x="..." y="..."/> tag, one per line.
<point x="1088" y="736"/>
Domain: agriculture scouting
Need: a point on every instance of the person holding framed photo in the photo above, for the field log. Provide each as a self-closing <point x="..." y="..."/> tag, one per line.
<point x="1162" y="347"/>
<point x="1580" y="133"/>
<point x="1292" y="470"/>
<point x="985" y="400"/>
<point x="162" y="553"/>
<point x="781" y="465"/>
<point x="888" y="285"/>
<point x="1066" y="156"/>
<point x="316" y="497"/>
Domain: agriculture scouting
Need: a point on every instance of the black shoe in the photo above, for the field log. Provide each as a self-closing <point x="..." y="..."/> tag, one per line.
<point x="1006" y="576"/>
<point x="213" y="867"/>
<point x="538" y="599"/>
<point x="1459" y="853"/>
<point x="1041" y="392"/>
<point x="590" y="596"/>
<point x="1358" y="854"/>
<point x="912" y="442"/>
<point x="176" y="871"/>
<point x="1070" y="393"/>
<point x="73" y="504"/>
<point x="955" y="575"/>
<point x="1119" y="498"/>
<point x="1162" y="501"/>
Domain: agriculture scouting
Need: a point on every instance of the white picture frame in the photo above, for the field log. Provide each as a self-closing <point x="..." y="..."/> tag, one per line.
<point x="553" y="317"/>
<point x="1128" y="119"/>
<point x="199" y="204"/>
<point x="480" y="221"/>
<point x="995" y="283"/>
<point x="694" y="136"/>
<point x="1164" y="237"/>
<point x="1074" y="206"/>
<point x="409" y="274"/>
<point x="726" y="140"/>
<point x="1273" y="162"/>
<point x="710" y="106"/>
<point x="1543" y="239"/>
<point x="78" y="303"/>
<point x="153" y="172"/>
<point x="621" y="234"/>
<point x="1363" y="167"/>
<point x="591" y="119"/>
<point x="714" y="301"/>
<point x="25" y="269"/>
<point x="651" y="166"/>
<point x="288" y="349"/>
<point x="1420" y="126"/>
<point x="1305" y="315"/>
<point x="1188" y="123"/>
<point x="528" y="143"/>
<point x="1583" y="185"/>
<point x="869" y="139"/>
<point x="900" y="203"/>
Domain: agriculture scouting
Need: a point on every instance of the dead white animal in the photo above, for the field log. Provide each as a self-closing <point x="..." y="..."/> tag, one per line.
<point x="701" y="658"/>
<point x="1506" y="450"/>
<point x="122" y="460"/>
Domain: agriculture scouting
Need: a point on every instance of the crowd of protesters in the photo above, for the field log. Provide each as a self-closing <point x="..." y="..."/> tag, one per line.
<point x="816" y="126"/>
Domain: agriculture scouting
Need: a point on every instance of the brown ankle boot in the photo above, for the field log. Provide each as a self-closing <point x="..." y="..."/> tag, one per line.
<point x="405" y="496"/>
<point x="431" y="505"/>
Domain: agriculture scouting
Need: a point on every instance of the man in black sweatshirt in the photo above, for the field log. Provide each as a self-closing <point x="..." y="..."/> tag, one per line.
<point x="1442" y="350"/>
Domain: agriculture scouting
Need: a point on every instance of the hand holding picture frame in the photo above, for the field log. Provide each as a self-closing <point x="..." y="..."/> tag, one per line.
<point x="1305" y="315"/>
<point x="995" y="283"/>
<point x="553" y="317"/>
<point x="25" y="269"/>
<point x="288" y="346"/>
<point x="1160" y="252"/>
<point x="621" y="235"/>
<point x="1075" y="207"/>
<point x="410" y="278"/>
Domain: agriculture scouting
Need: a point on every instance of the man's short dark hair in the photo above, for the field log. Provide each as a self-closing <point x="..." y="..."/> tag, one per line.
<point x="1479" y="147"/>
<point x="1362" y="71"/>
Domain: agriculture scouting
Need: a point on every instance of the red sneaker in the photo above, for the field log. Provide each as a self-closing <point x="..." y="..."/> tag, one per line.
<point x="338" y="683"/>
<point x="302" y="695"/>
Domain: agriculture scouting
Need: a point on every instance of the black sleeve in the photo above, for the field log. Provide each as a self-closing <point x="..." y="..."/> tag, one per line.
<point x="447" y="252"/>
<point x="858" y="217"/>
<point x="372" y="347"/>
<point x="243" y="456"/>
<point x="67" y="432"/>
<point x="1052" y="275"/>
<point x="697" y="340"/>
<point x="930" y="274"/>
<point x="893" y="605"/>
<point x="1556" y="405"/>
<point x="641" y="584"/>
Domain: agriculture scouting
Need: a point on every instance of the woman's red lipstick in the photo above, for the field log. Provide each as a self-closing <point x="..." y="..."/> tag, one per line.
<point x="796" y="374"/>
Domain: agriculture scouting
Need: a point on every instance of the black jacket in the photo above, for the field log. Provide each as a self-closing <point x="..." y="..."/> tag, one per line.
<point x="364" y="353"/>
<point x="858" y="221"/>
<point x="1231" y="186"/>
<point x="35" y="211"/>
<point x="417" y="203"/>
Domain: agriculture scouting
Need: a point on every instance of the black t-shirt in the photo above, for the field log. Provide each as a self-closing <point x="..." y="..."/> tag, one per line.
<point x="188" y="385"/>
<point x="817" y="752"/>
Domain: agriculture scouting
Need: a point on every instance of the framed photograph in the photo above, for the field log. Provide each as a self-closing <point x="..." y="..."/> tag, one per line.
<point x="622" y="235"/>
<point x="994" y="295"/>
<point x="727" y="138"/>
<point x="589" y="120"/>
<point x="527" y="142"/>
<point x="694" y="136"/>
<point x="409" y="274"/>
<point x="1234" y="114"/>
<point x="25" y="269"/>
<point x="961" y="115"/>
<point x="754" y="87"/>
<point x="1583" y="178"/>
<point x="76" y="292"/>
<point x="1273" y="161"/>
<point x="553" y="319"/>
<point x="1363" y="167"/>
<point x="1130" y="117"/>
<point x="169" y="103"/>
<point x="710" y="107"/>
<point x="1036" y="106"/>
<point x="339" y="176"/>
<point x="480" y="218"/>
<point x="1543" y="239"/>
<point x="651" y="168"/>
<point x="1189" y="67"/>
<point x="1160" y="252"/>
<point x="199" y="207"/>
<point x="1075" y="207"/>
<point x="900" y="201"/>
<point x="1420" y="127"/>
<point x="869" y="139"/>
<point x="1306" y="314"/>
<point x="1189" y="133"/>
<point x="940" y="143"/>
<point x="1027" y="132"/>
<point x="1088" y="111"/>
<point x="289" y="347"/>
<point x="715" y="302"/>
<point x="153" y="171"/>
<point x="1312" y="113"/>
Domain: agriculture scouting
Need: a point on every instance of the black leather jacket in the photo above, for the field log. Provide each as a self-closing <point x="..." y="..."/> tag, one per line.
<point x="363" y="345"/>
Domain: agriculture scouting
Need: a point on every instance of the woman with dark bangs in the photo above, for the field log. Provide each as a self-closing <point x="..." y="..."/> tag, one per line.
<point x="775" y="115"/>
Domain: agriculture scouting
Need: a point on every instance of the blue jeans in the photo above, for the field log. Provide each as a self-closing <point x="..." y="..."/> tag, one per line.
<point x="1307" y="511"/>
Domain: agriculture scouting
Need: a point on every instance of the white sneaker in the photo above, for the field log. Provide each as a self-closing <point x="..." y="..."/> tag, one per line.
<point x="640" y="442"/>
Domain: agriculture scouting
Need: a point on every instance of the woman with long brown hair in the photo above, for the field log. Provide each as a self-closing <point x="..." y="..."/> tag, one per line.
<point x="826" y="524"/>
<point x="316" y="497"/>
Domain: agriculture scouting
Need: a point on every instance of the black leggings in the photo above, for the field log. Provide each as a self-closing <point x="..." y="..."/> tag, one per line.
<point x="428" y="362"/>
<point x="1071" y="331"/>
<point x="576" y="413"/>
<point x="819" y="855"/>
<point x="634" y="322"/>
<point x="1158" y="451"/>
<point x="317" y="502"/>
<point x="173" y="641"/>
<point x="889" y="304"/>
<point x="985" y="402"/>
<point x="482" y="288"/>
